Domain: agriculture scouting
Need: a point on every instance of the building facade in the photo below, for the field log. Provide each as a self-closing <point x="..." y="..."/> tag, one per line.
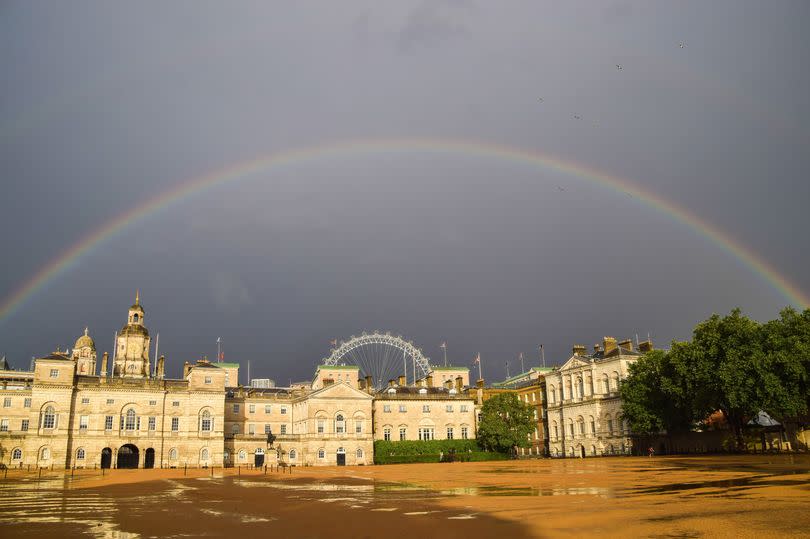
<point x="583" y="402"/>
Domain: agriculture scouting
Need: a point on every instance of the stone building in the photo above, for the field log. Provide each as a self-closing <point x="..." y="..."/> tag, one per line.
<point x="65" y="414"/>
<point x="423" y="412"/>
<point x="583" y="402"/>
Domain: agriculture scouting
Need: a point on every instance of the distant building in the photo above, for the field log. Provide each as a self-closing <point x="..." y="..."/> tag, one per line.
<point x="262" y="383"/>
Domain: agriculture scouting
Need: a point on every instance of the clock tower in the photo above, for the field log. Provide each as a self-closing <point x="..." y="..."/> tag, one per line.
<point x="132" y="348"/>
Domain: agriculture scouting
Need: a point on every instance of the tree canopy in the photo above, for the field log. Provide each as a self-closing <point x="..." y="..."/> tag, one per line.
<point x="732" y="364"/>
<point x="506" y="423"/>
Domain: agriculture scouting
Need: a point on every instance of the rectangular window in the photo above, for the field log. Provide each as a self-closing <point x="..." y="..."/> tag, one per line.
<point x="403" y="408"/>
<point x="27" y="402"/>
<point x="7" y="402"/>
<point x="3" y="425"/>
<point x="449" y="433"/>
<point x="236" y="408"/>
<point x="320" y="426"/>
<point x="175" y="403"/>
<point x="283" y="429"/>
<point x="387" y="435"/>
<point x="108" y="422"/>
<point x="24" y="425"/>
<point x="449" y="408"/>
<point x="54" y="373"/>
<point x="252" y="409"/>
<point x="151" y="424"/>
<point x="83" y="421"/>
<point x="251" y="429"/>
<point x="207" y="379"/>
<point x="86" y="400"/>
<point x="110" y="401"/>
<point x="402" y="434"/>
<point x="464" y="433"/>
<point x="152" y="403"/>
<point x="267" y="408"/>
<point x="610" y="426"/>
<point x="463" y="408"/>
<point x="358" y="426"/>
<point x="267" y="428"/>
<point x="426" y="433"/>
<point x="235" y="428"/>
<point x="386" y="408"/>
<point x="283" y="410"/>
<point x="175" y="424"/>
<point x="425" y="408"/>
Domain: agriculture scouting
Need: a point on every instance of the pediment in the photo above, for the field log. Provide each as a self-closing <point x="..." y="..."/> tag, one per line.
<point x="339" y="390"/>
<point x="574" y="362"/>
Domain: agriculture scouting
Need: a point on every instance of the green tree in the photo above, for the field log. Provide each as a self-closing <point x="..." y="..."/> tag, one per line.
<point x="506" y="423"/>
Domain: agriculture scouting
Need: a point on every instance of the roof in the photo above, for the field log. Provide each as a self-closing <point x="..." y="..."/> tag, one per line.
<point x="450" y="368"/>
<point x="416" y="392"/>
<point x="226" y="364"/>
<point x="4" y="364"/>
<point x="58" y="356"/>
<point x="342" y="367"/>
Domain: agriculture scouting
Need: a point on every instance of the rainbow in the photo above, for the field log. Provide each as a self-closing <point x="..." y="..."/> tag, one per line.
<point x="236" y="171"/>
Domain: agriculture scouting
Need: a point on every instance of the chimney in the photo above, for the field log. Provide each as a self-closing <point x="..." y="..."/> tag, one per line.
<point x="328" y="381"/>
<point x="448" y="384"/>
<point x="459" y="383"/>
<point x="420" y="382"/>
<point x="480" y="383"/>
<point x="369" y="384"/>
<point x="161" y="367"/>
<point x="104" y="364"/>
<point x="579" y="350"/>
<point x="391" y="382"/>
<point x="609" y="344"/>
<point x="626" y="345"/>
<point x="645" y="346"/>
<point x="186" y="369"/>
<point x="361" y="383"/>
<point x="401" y="381"/>
<point x="429" y="380"/>
<point x="597" y="348"/>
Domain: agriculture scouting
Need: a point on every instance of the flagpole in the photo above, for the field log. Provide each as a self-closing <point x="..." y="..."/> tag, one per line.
<point x="507" y="368"/>
<point x="480" y="376"/>
<point x="157" y="345"/>
<point x="522" y="368"/>
<point x="405" y="366"/>
<point x="445" y="352"/>
<point x="543" y="356"/>
<point x="219" y="352"/>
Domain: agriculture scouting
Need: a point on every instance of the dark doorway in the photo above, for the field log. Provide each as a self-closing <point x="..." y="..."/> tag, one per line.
<point x="258" y="459"/>
<point x="341" y="459"/>
<point x="106" y="457"/>
<point x="127" y="457"/>
<point x="149" y="458"/>
<point x="582" y="450"/>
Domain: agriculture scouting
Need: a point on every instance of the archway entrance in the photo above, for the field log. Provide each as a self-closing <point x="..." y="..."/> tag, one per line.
<point x="582" y="451"/>
<point x="106" y="457"/>
<point x="149" y="458"/>
<point x="341" y="457"/>
<point x="128" y="456"/>
<point x="258" y="458"/>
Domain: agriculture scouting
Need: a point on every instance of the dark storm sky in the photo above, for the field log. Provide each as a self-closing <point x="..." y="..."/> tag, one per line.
<point x="105" y="105"/>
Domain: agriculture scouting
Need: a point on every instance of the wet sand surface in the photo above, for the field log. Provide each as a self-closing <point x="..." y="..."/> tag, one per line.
<point x="714" y="496"/>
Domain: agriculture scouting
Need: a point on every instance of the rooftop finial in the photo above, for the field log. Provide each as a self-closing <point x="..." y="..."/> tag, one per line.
<point x="86" y="329"/>
<point x="137" y="297"/>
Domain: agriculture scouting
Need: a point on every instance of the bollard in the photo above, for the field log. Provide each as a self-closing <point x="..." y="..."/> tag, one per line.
<point x="240" y="470"/>
<point x="212" y="471"/>
<point x="72" y="470"/>
<point x="265" y="469"/>
<point x="102" y="472"/>
<point x="40" y="474"/>
<point x="5" y="473"/>
<point x="185" y="469"/>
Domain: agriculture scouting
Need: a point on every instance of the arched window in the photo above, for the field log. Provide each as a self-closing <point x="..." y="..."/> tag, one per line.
<point x="321" y="453"/>
<point x="206" y="423"/>
<point x="135" y="318"/>
<point x="605" y="383"/>
<point x="49" y="418"/>
<point x="16" y="454"/>
<point x="553" y="394"/>
<point x="571" y="428"/>
<point x="129" y="423"/>
<point x="340" y="424"/>
<point x="387" y="434"/>
<point x="45" y="454"/>
<point x="172" y="454"/>
<point x="614" y="381"/>
<point x="242" y="454"/>
<point x="358" y="425"/>
<point x="292" y="454"/>
<point x="580" y="388"/>
<point x="359" y="453"/>
<point x="609" y="424"/>
<point x="592" y="424"/>
<point x="204" y="454"/>
<point x="555" y="430"/>
<point x="80" y="454"/>
<point x="581" y="425"/>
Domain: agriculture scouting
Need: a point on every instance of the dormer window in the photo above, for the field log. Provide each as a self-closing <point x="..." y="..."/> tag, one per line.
<point x="135" y="318"/>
